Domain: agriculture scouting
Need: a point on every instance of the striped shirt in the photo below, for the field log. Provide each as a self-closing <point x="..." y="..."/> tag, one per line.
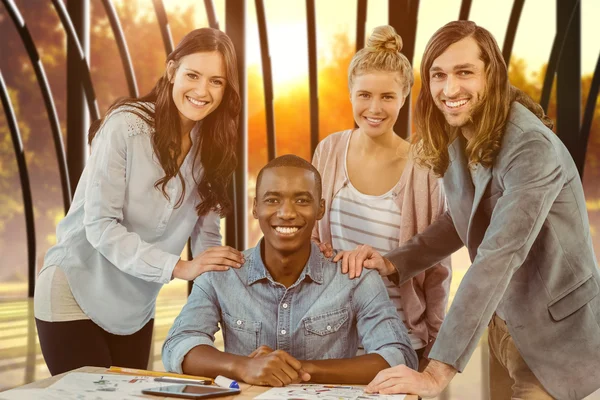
<point x="357" y="218"/>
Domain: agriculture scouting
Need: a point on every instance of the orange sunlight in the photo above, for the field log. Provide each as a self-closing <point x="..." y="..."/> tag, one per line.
<point x="288" y="52"/>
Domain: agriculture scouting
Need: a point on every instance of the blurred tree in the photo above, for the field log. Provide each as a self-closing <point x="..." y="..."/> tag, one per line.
<point x="292" y="116"/>
<point x="147" y="52"/>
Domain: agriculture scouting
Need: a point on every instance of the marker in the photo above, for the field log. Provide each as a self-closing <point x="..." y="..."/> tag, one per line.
<point x="226" y="382"/>
<point x="183" y="380"/>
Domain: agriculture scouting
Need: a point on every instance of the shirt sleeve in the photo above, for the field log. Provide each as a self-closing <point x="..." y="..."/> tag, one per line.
<point x="436" y="284"/>
<point x="425" y="249"/>
<point x="206" y="233"/>
<point x="196" y="325"/>
<point x="104" y="198"/>
<point x="380" y="329"/>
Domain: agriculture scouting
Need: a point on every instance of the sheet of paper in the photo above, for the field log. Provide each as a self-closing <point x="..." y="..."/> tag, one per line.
<point x="27" y="394"/>
<point x="58" y="394"/>
<point x="79" y="382"/>
<point x="323" y="392"/>
<point x="82" y="386"/>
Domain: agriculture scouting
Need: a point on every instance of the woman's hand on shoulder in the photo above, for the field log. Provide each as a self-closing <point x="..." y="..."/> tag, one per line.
<point x="326" y="249"/>
<point x="218" y="258"/>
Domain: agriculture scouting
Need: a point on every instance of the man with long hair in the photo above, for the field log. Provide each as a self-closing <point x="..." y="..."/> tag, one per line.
<point x="515" y="200"/>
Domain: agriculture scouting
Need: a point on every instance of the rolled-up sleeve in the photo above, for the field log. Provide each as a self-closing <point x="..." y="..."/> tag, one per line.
<point x="196" y="325"/>
<point x="206" y="233"/>
<point x="104" y="199"/>
<point x="380" y="329"/>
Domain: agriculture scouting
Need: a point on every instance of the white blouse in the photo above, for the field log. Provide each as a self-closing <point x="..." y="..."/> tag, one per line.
<point x="121" y="238"/>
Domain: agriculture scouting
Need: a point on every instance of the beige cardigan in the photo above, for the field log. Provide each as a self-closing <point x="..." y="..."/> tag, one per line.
<point x="421" y="200"/>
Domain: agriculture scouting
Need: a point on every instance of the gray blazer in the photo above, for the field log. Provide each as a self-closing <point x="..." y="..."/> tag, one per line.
<point x="526" y="228"/>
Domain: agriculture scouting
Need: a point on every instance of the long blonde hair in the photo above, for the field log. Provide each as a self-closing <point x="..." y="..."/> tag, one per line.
<point x="382" y="53"/>
<point x="433" y="133"/>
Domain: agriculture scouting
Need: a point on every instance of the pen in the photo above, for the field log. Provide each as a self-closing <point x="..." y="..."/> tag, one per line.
<point x="159" y="374"/>
<point x="226" y="382"/>
<point x="169" y="379"/>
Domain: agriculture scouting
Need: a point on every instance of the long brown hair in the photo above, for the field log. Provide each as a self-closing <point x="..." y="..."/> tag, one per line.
<point x="219" y="129"/>
<point x="489" y="119"/>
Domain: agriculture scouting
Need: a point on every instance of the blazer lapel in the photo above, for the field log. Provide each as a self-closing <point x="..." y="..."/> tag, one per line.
<point x="459" y="187"/>
<point x="482" y="179"/>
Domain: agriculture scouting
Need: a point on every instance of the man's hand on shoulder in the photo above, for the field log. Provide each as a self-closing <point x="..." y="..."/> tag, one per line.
<point x="364" y="256"/>
<point x="268" y="367"/>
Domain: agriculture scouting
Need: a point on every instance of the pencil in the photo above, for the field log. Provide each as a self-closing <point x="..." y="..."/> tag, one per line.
<point x="143" y="372"/>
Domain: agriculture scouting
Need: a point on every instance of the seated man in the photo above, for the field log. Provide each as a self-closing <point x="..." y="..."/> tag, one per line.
<point x="288" y="297"/>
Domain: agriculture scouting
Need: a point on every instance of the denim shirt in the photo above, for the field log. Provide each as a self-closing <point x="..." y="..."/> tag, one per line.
<point x="121" y="238"/>
<point x="323" y="315"/>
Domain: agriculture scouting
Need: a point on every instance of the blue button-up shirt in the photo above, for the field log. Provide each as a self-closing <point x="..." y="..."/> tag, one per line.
<point x="323" y="315"/>
<point x="122" y="238"/>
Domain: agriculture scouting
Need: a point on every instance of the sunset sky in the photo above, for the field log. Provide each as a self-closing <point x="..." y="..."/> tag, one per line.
<point x="286" y="25"/>
<point x="287" y="31"/>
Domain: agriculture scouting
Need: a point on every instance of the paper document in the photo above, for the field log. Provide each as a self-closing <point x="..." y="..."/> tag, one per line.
<point x="82" y="386"/>
<point x="81" y="382"/>
<point x="323" y="392"/>
<point x="57" y="394"/>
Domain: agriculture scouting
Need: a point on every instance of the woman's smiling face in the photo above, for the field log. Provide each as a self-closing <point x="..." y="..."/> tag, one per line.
<point x="199" y="83"/>
<point x="377" y="98"/>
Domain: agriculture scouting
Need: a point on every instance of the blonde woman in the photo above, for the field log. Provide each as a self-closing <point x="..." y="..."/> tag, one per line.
<point x="374" y="192"/>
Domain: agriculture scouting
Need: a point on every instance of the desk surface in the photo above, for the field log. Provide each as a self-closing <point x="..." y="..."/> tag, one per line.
<point x="248" y="391"/>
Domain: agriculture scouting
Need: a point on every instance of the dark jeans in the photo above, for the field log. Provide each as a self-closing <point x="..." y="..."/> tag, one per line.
<point x="73" y="344"/>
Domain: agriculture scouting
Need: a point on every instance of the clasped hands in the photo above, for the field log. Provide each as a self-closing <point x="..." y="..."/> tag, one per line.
<point x="268" y="367"/>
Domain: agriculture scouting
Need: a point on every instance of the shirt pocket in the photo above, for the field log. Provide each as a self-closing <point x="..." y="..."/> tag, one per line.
<point x="241" y="335"/>
<point x="576" y="297"/>
<point x="325" y="335"/>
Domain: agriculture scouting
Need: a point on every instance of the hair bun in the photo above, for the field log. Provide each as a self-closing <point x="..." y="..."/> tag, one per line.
<point x="385" y="38"/>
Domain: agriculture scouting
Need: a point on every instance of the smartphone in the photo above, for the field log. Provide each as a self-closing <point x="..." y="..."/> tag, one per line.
<point x="191" y="391"/>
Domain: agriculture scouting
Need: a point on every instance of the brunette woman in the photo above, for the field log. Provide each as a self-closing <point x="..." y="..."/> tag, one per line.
<point x="157" y="174"/>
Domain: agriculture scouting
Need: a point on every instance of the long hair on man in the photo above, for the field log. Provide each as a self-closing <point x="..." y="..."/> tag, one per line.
<point x="216" y="151"/>
<point x="489" y="118"/>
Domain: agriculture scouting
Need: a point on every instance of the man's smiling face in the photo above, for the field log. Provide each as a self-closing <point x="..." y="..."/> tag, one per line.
<point x="287" y="206"/>
<point x="457" y="81"/>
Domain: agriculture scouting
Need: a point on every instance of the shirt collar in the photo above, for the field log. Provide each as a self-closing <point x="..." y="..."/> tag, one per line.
<point x="313" y="268"/>
<point x="196" y="132"/>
